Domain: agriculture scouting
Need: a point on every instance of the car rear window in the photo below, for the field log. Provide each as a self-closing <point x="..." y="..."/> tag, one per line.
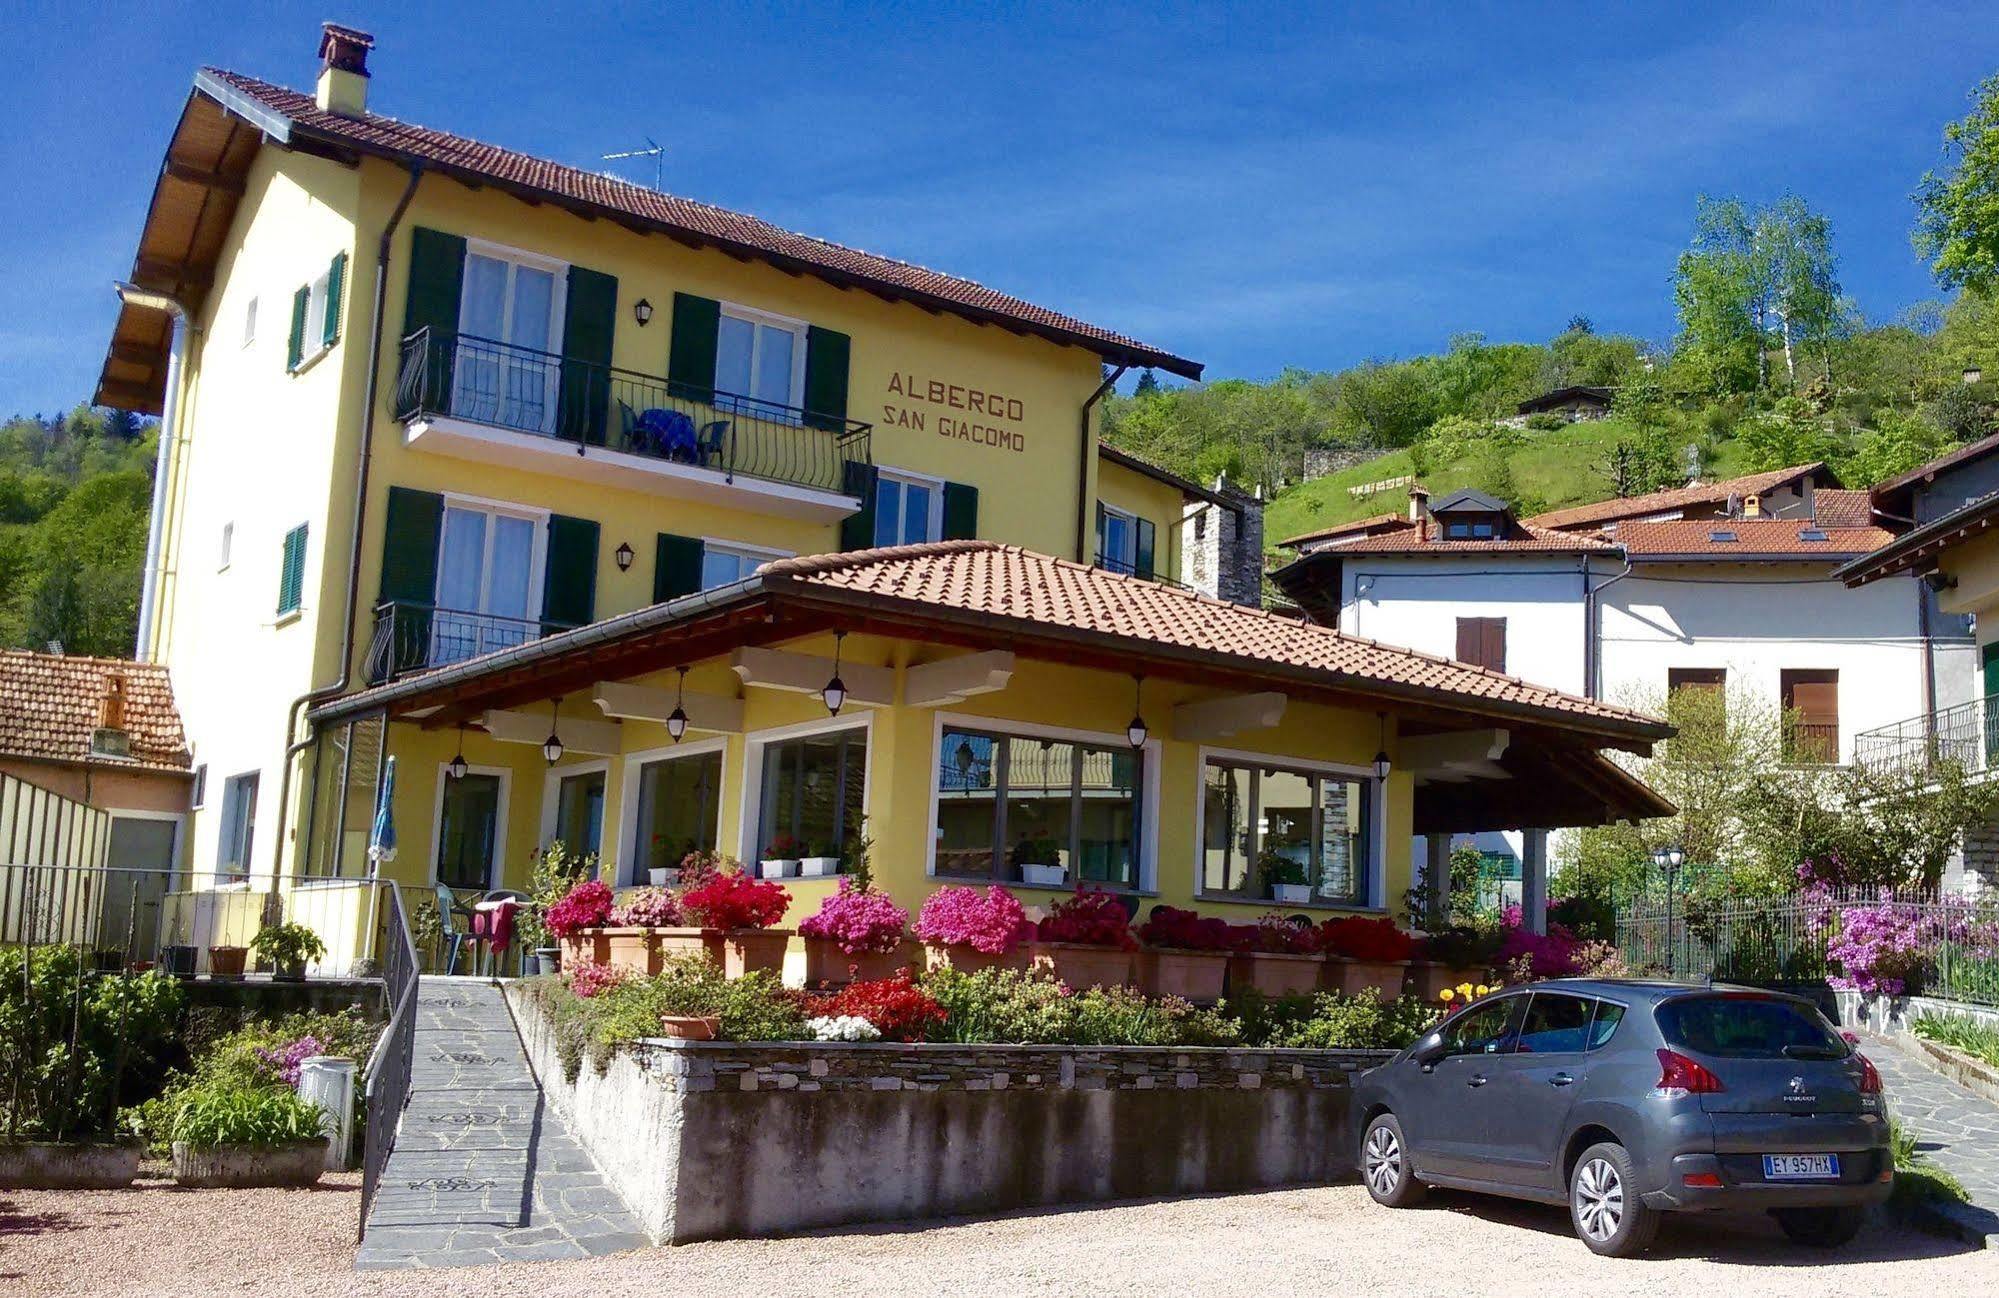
<point x="1749" y="1027"/>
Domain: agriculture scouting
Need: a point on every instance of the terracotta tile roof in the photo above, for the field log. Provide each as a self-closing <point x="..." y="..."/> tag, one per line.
<point x="1372" y="523"/>
<point x="1658" y="502"/>
<point x="50" y="706"/>
<point x="1004" y="582"/>
<point x="386" y="136"/>
<point x="1839" y="507"/>
<point x="1753" y="538"/>
<point x="1526" y="539"/>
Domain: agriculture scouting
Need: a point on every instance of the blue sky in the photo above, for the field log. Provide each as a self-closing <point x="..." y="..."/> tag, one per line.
<point x="1251" y="188"/>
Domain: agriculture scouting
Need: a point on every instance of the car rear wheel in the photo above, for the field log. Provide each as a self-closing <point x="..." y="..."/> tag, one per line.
<point x="1820" y="1227"/>
<point x="1604" y="1204"/>
<point x="1384" y="1164"/>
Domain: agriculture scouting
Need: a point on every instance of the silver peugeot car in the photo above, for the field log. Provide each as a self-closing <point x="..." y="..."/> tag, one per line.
<point x="1627" y="1099"/>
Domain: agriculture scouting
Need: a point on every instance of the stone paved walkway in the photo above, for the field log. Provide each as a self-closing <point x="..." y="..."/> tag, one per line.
<point x="1957" y="1129"/>
<point x="484" y="1170"/>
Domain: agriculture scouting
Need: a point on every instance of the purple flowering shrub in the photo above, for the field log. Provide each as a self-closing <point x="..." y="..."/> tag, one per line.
<point x="282" y="1062"/>
<point x="858" y="920"/>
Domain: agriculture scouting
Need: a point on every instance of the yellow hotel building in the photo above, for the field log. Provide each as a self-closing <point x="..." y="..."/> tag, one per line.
<point x="572" y="497"/>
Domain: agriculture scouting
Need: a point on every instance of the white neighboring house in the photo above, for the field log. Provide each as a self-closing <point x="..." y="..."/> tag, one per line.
<point x="1726" y="584"/>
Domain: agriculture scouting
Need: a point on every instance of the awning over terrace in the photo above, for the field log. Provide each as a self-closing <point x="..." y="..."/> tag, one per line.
<point x="1501" y="753"/>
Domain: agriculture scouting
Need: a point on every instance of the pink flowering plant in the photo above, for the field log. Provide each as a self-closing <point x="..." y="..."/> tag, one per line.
<point x="648" y="908"/>
<point x="1883" y="949"/>
<point x="590" y="979"/>
<point x="858" y="920"/>
<point x="587" y="905"/>
<point x="989" y="920"/>
<point x="1092" y="917"/>
<point x="282" y="1062"/>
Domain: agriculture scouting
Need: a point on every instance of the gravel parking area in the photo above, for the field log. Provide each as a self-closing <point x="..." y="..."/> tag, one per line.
<point x="161" y="1240"/>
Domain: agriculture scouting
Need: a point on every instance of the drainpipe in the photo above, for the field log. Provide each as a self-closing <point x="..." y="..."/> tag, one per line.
<point x="1085" y="511"/>
<point x="182" y="326"/>
<point x="338" y="685"/>
<point x="1592" y="629"/>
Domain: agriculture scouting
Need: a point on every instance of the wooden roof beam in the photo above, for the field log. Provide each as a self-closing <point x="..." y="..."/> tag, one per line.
<point x="206" y="179"/>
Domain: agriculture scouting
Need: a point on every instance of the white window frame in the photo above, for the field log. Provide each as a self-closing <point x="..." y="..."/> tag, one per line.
<point x="1121" y="563"/>
<point x="750" y="813"/>
<point x="198" y="788"/>
<point x="235" y="872"/>
<point x="497" y="871"/>
<point x="738" y="550"/>
<point x="250" y="322"/>
<point x="313" y="345"/>
<point x="537" y="565"/>
<point x="798" y="329"/>
<point x="628" y="796"/>
<point x="1149" y="763"/>
<point x="1377" y="870"/>
<point x="225" y="545"/>
<point x="558" y="306"/>
<point x="934" y="524"/>
<point x="551" y="796"/>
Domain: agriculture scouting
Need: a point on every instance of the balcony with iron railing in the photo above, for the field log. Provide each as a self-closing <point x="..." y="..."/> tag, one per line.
<point x="476" y="398"/>
<point x="1811" y="743"/>
<point x="413" y="637"/>
<point x="1965" y="735"/>
<point x="1115" y="563"/>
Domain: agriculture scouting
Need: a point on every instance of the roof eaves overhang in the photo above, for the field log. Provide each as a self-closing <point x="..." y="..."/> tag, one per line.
<point x="1187" y="486"/>
<point x="1916" y="548"/>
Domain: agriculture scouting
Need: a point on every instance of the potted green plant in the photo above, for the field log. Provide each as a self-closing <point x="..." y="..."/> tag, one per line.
<point x="1284" y="877"/>
<point x="225" y="1133"/>
<point x="821" y="860"/>
<point x="553" y="872"/>
<point x="780" y="858"/>
<point x="287" y="948"/>
<point x="1040" y="862"/>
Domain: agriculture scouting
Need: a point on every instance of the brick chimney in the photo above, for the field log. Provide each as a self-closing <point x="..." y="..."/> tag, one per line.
<point x="110" y="738"/>
<point x="343" y="71"/>
<point x="1419" y="502"/>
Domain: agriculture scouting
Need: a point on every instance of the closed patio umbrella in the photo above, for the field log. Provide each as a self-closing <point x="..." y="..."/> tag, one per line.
<point x="382" y="835"/>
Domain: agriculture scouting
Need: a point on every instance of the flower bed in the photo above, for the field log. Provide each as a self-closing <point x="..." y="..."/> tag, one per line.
<point x="1085" y="941"/>
<point x="1184" y="954"/>
<point x="857" y="934"/>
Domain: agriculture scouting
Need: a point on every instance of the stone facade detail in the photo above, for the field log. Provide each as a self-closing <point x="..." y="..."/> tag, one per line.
<point x="1221" y="550"/>
<point x="1981" y="858"/>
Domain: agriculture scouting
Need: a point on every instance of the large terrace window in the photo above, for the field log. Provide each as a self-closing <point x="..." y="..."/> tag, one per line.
<point x="813" y="791"/>
<point x="1038" y="811"/>
<point x="1285" y="834"/>
<point x="679" y="802"/>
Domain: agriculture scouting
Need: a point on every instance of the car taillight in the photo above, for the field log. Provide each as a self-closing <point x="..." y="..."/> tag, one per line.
<point x="1850" y="1038"/>
<point x="1870" y="1078"/>
<point x="1679" y="1075"/>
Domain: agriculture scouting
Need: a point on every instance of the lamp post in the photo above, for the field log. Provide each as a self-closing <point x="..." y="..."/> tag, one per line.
<point x="1669" y="858"/>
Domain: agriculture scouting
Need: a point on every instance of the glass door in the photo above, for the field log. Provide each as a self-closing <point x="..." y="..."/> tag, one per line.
<point x="505" y="372"/>
<point x="488" y="582"/>
<point x="468" y="831"/>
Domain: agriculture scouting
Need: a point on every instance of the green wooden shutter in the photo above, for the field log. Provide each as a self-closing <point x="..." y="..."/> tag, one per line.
<point x="826" y="353"/>
<point x="336" y="281"/>
<point x="295" y="348"/>
<point x="589" y="320"/>
<point x="436" y="282"/>
<point x="676" y="567"/>
<point x="961" y="512"/>
<point x="857" y="530"/>
<point x="1989" y="665"/>
<point x="410" y="530"/>
<point x="1143" y="558"/>
<point x="291" y="571"/>
<point x="690" y="365"/>
<point x="569" y="588"/>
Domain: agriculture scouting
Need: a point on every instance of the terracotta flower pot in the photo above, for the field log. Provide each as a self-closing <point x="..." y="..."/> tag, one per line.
<point x="1082" y="964"/>
<point x="754" y="950"/>
<point x="1275" y="973"/>
<point x="1190" y="975"/>
<point x="1343" y="974"/>
<point x="633" y="949"/>
<point x="704" y="942"/>
<point x="689" y="1027"/>
<point x="827" y="965"/>
<point x="969" y="959"/>
<point x="227" y="961"/>
<point x="591" y="946"/>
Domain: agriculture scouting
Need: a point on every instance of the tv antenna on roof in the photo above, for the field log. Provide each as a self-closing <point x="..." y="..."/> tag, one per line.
<point x="652" y="150"/>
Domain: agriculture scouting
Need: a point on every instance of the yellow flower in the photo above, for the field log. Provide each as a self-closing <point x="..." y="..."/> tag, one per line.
<point x="1484" y="990"/>
<point x="1445" y="994"/>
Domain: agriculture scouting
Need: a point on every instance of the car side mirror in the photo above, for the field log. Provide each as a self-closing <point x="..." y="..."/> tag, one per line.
<point x="1429" y="1050"/>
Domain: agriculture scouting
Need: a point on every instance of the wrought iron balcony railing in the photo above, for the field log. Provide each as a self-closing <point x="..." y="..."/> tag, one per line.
<point x="1112" y="563"/>
<point x="585" y="405"/>
<point x="411" y="637"/>
<point x="1966" y="734"/>
<point x="1811" y="743"/>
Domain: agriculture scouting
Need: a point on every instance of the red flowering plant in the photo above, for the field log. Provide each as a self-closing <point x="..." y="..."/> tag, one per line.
<point x="731" y="899"/>
<point x="858" y="920"/>
<point x="587" y="905"/>
<point x="898" y="1008"/>
<point x="1275" y="934"/>
<point x="989" y="920"/>
<point x="648" y="908"/>
<point x="1184" y="930"/>
<point x="1092" y="917"/>
<point x="1358" y="938"/>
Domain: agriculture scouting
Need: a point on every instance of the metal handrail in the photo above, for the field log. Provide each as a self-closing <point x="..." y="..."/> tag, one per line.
<point x="386" y="1082"/>
<point x="590" y="405"/>
<point x="415" y="635"/>
<point x="1965" y="733"/>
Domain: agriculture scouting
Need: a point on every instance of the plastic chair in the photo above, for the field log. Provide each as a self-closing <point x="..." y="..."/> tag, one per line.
<point x="628" y="421"/>
<point x="711" y="439"/>
<point x="450" y="932"/>
<point x="484" y="934"/>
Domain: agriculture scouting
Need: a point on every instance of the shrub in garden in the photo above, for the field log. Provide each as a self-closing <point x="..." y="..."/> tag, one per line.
<point x="1882" y="949"/>
<point x="1091" y="917"/>
<point x="552" y="873"/>
<point x="1275" y="934"/>
<point x="897" y="1006"/>
<point x="1462" y="946"/>
<point x="1119" y="1016"/>
<point x="217" y="1113"/>
<point x="587" y="905"/>
<point x="648" y="908"/>
<point x="1360" y="938"/>
<point x="989" y="920"/>
<point x="1184" y="930"/>
<point x="1363" y="1021"/>
<point x="858" y="920"/>
<point x="842" y="1027"/>
<point x="732" y="899"/>
<point x="589" y="978"/>
<point x="75" y="1046"/>
<point x="755" y="1007"/>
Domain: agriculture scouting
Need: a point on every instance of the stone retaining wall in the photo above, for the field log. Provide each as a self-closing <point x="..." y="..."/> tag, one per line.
<point x="710" y="1140"/>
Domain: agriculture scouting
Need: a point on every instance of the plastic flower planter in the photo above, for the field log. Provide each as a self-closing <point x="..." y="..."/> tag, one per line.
<point x="646" y="950"/>
<point x="818" y="867"/>
<point x="1081" y="964"/>
<point x="1275" y="973"/>
<point x="750" y="950"/>
<point x="663" y="876"/>
<point x="240" y="1166"/>
<point x="966" y="958"/>
<point x="826" y="965"/>
<point x="591" y="946"/>
<point x="1044" y="876"/>
<point x="1345" y="974"/>
<point x="227" y="961"/>
<point x="1191" y="975"/>
<point x="1291" y="894"/>
<point x="778" y="869"/>
<point x="1428" y="977"/>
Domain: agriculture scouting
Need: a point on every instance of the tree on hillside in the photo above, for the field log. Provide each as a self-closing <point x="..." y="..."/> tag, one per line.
<point x="1148" y="384"/>
<point x="1957" y="226"/>
<point x="1804" y="280"/>
<point x="78" y="575"/>
<point x="1749" y="270"/>
<point x="1383" y="403"/>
